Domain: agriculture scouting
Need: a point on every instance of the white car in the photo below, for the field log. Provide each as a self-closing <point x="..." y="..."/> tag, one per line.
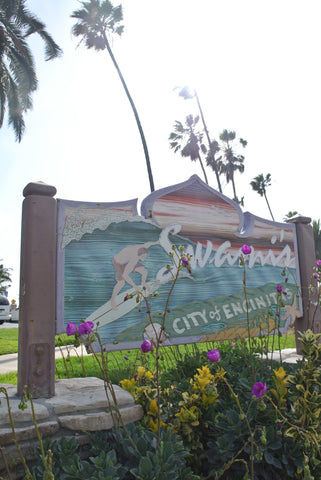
<point x="15" y="315"/>
<point x="5" y="310"/>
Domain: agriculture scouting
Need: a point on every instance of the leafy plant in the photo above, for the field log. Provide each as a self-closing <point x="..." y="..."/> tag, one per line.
<point x="211" y="414"/>
<point x="64" y="452"/>
<point x="153" y="462"/>
<point x="112" y="457"/>
<point x="305" y="399"/>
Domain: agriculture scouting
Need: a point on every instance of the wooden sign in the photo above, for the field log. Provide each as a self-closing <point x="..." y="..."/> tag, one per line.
<point x="107" y="252"/>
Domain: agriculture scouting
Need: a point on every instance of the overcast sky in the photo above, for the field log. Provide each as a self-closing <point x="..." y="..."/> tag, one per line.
<point x="255" y="65"/>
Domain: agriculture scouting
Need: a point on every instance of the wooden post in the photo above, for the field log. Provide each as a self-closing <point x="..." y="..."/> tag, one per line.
<point x="37" y="316"/>
<point x="307" y="260"/>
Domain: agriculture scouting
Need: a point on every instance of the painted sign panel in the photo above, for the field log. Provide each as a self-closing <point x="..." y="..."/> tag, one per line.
<point x="106" y="251"/>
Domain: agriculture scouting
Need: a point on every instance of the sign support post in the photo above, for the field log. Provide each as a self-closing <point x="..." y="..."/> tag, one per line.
<point x="306" y="254"/>
<point x="36" y="359"/>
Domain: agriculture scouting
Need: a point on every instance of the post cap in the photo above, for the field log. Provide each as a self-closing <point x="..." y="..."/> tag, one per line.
<point x="39" y="188"/>
<point x="299" y="219"/>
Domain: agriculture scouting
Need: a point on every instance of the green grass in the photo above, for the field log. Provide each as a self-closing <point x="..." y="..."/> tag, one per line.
<point x="10" y="377"/>
<point x="123" y="364"/>
<point x="9" y="340"/>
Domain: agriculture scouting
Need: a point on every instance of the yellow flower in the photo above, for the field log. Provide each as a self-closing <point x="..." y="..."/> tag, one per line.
<point x="189" y="416"/>
<point x="203" y="382"/>
<point x="194" y="397"/>
<point x="128" y="385"/>
<point x="280" y="375"/>
<point x="141" y="371"/>
<point x="220" y="373"/>
<point x="185" y="397"/>
<point x="153" y="409"/>
<point x="149" y="375"/>
<point x="204" y="371"/>
<point x="153" y="425"/>
<point x="209" y="399"/>
<point x="203" y="378"/>
<point x="280" y="390"/>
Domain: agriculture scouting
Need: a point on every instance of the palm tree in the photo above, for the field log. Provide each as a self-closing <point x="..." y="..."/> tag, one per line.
<point x="187" y="94"/>
<point x="193" y="139"/>
<point x="289" y="215"/>
<point x="4" y="278"/>
<point x="317" y="237"/>
<point x="18" y="78"/>
<point x="96" y="20"/>
<point x="259" y="185"/>
<point x="228" y="163"/>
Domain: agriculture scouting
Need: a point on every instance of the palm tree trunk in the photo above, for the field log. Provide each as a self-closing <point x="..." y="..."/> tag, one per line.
<point x="209" y="143"/>
<point x="202" y="166"/>
<point x="140" y="128"/>
<point x="269" y="206"/>
<point x="234" y="189"/>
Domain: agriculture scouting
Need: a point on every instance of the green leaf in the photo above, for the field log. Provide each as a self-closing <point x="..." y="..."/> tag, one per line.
<point x="271" y="460"/>
<point x="145" y="468"/>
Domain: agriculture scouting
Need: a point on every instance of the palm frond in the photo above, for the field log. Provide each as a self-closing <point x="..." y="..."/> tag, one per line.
<point x="15" y="111"/>
<point x="52" y="50"/>
<point x="2" y="103"/>
<point x="18" y="79"/>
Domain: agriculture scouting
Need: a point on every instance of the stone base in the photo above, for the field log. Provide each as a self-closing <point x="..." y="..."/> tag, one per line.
<point x="80" y="404"/>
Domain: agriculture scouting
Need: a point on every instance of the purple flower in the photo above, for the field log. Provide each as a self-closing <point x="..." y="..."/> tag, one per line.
<point x="126" y="297"/>
<point x="71" y="329"/>
<point x="246" y="249"/>
<point x="146" y="346"/>
<point x="233" y="344"/>
<point x="213" y="355"/>
<point x="279" y="288"/>
<point x="125" y="357"/>
<point x="316" y="275"/>
<point x="259" y="389"/>
<point x="85" y="328"/>
<point x="185" y="262"/>
<point x="319" y="263"/>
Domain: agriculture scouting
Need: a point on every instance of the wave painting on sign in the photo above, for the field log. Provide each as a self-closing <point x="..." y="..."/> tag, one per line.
<point x="107" y="252"/>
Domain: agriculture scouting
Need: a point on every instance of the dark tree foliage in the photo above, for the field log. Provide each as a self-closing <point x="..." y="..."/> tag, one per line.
<point x="18" y="79"/>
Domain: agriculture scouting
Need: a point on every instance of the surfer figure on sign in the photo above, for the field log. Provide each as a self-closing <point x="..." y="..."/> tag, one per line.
<point x="128" y="261"/>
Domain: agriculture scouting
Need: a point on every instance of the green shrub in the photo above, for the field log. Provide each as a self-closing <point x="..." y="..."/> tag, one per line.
<point x="153" y="459"/>
<point x="117" y="455"/>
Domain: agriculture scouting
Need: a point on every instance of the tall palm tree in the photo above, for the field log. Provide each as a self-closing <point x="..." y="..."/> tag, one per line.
<point x="18" y="78"/>
<point x="4" y="278"/>
<point x="96" y="21"/>
<point x="192" y="137"/>
<point x="229" y="162"/>
<point x="187" y="94"/>
<point x="259" y="185"/>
